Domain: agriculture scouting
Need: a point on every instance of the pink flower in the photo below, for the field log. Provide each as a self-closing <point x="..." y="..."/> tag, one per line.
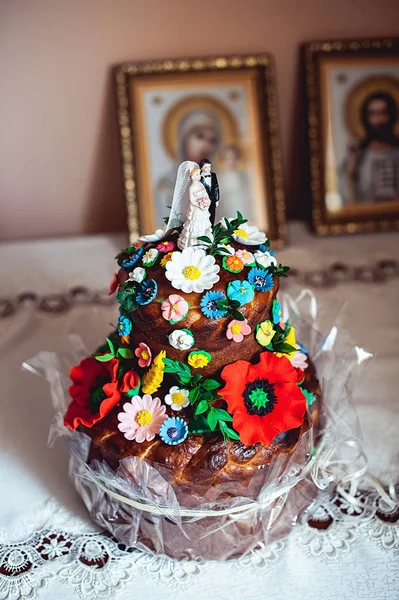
<point x="174" y="308"/>
<point x="144" y="355"/>
<point x="142" y="418"/>
<point x="299" y="360"/>
<point x="113" y="285"/>
<point x="246" y="257"/>
<point x="166" y="246"/>
<point x="237" y="329"/>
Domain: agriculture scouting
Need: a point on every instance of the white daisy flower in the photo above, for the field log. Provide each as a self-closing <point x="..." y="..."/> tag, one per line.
<point x="249" y="235"/>
<point x="138" y="274"/>
<point x="150" y="257"/>
<point x="177" y="398"/>
<point x="153" y="237"/>
<point x="265" y="259"/>
<point x="192" y="270"/>
<point x="181" y="339"/>
<point x="227" y="248"/>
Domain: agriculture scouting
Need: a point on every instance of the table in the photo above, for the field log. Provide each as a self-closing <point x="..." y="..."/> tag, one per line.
<point x="48" y="547"/>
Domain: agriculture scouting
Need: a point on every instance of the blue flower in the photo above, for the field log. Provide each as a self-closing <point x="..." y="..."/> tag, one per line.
<point x="173" y="431"/>
<point x="276" y="310"/>
<point x="302" y="348"/>
<point x="264" y="248"/>
<point x="242" y="291"/>
<point x="148" y="292"/>
<point x="124" y="325"/>
<point x="133" y="259"/>
<point x="209" y="305"/>
<point x="261" y="279"/>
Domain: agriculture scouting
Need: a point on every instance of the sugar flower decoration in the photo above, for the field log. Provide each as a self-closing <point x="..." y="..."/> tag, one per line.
<point x="150" y="257"/>
<point x="124" y="325"/>
<point x="181" y="339"/>
<point x="276" y="312"/>
<point x="94" y="392"/>
<point x="226" y="249"/>
<point x="241" y="291"/>
<point x="249" y="235"/>
<point x="130" y="383"/>
<point x="148" y="292"/>
<point x="233" y="263"/>
<point x="175" y="308"/>
<point x="177" y="398"/>
<point x="246" y="257"/>
<point x="165" y="259"/>
<point x="192" y="270"/>
<point x="261" y="279"/>
<point x="264" y="399"/>
<point x="133" y="259"/>
<point x="173" y="431"/>
<point x="199" y="359"/>
<point x="138" y="274"/>
<point x="166" y="246"/>
<point x="209" y="305"/>
<point x="237" y="329"/>
<point x="265" y="333"/>
<point x="141" y="418"/>
<point x="153" y="237"/>
<point x="152" y="380"/>
<point x="144" y="355"/>
<point x="113" y="284"/>
<point x="299" y="360"/>
<point x="265" y="259"/>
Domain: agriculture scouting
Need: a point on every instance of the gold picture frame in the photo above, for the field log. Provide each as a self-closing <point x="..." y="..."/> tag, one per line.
<point x="353" y="160"/>
<point x="177" y="87"/>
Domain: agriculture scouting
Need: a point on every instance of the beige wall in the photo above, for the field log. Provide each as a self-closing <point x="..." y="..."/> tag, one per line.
<point x="59" y="155"/>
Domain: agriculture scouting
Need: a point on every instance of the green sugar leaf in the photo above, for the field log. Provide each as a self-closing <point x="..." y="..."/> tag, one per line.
<point x="201" y="408"/>
<point x="125" y="352"/>
<point x="104" y="357"/>
<point x="210" y="384"/>
<point x="223" y="415"/>
<point x="110" y="345"/>
<point x="212" y="419"/>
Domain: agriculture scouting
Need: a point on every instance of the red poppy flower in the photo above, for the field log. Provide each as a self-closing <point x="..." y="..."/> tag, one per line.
<point x="113" y="284"/>
<point x="94" y="391"/>
<point x="130" y="381"/>
<point x="264" y="399"/>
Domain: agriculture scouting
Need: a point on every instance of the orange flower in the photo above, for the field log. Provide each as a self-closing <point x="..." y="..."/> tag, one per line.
<point x="234" y="263"/>
<point x="130" y="381"/>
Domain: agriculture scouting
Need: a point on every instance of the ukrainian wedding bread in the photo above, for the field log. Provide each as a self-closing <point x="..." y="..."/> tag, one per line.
<point x="202" y="379"/>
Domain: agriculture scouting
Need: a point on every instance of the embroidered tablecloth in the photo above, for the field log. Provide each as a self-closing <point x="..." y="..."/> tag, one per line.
<point x="48" y="547"/>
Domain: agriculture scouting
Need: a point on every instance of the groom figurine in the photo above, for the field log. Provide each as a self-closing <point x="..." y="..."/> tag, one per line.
<point x="210" y="182"/>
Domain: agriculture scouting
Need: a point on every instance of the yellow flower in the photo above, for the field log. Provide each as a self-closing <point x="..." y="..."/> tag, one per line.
<point x="154" y="376"/>
<point x="290" y="339"/>
<point x="265" y="333"/>
<point x="198" y="360"/>
<point x="166" y="259"/>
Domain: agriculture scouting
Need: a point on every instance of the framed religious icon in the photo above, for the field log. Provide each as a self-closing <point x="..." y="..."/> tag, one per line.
<point x="220" y="109"/>
<point x="353" y="127"/>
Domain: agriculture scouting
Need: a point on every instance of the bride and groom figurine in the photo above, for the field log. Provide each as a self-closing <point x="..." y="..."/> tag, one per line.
<point x="198" y="213"/>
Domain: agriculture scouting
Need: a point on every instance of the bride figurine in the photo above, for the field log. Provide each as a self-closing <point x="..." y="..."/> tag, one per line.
<point x="197" y="221"/>
<point x="194" y="207"/>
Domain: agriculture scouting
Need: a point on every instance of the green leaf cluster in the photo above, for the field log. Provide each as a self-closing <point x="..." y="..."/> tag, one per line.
<point x="280" y="271"/>
<point x="127" y="296"/>
<point x="113" y="352"/>
<point x="222" y="234"/>
<point x="202" y="395"/>
<point x="231" y="308"/>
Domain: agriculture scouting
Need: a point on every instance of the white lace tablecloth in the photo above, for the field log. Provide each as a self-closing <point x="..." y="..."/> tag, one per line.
<point x="48" y="547"/>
